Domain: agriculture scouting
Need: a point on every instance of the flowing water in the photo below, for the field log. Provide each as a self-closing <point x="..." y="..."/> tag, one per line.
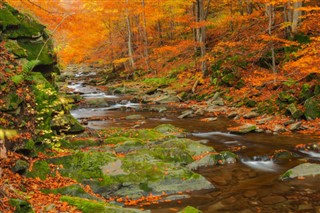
<point x="250" y="185"/>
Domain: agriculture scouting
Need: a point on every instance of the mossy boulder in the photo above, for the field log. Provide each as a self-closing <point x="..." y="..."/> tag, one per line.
<point x="20" y="167"/>
<point x="67" y="124"/>
<point x="312" y="107"/>
<point x="74" y="190"/>
<point x="286" y="97"/>
<point x="40" y="169"/>
<point x="13" y="47"/>
<point x="89" y="206"/>
<point x="294" y="111"/>
<point x="302" y="170"/>
<point x="190" y="209"/>
<point x="170" y="129"/>
<point x="21" y="206"/>
<point x="7" y="19"/>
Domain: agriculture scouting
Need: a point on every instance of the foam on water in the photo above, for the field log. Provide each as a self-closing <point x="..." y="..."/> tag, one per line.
<point x="210" y="134"/>
<point x="263" y="164"/>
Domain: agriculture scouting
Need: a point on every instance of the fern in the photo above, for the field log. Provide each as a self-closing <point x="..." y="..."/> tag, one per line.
<point x="28" y="67"/>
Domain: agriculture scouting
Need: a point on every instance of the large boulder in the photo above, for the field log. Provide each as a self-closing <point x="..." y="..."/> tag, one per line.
<point x="312" y="107"/>
<point x="302" y="170"/>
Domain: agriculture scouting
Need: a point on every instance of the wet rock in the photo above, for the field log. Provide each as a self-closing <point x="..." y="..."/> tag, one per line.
<point x="295" y="126"/>
<point x="67" y="124"/>
<point x="251" y="115"/>
<point x="185" y="114"/>
<point x="209" y="119"/>
<point x="134" y="117"/>
<point x="282" y="156"/>
<point x="302" y="170"/>
<point x="273" y="199"/>
<point x="167" y="98"/>
<point x="159" y="109"/>
<point x="305" y="207"/>
<point x="220" y="180"/>
<point x="250" y="193"/>
<point x="20" y="167"/>
<point x="113" y="168"/>
<point x="246" y="128"/>
<point x="169" y="129"/>
<point x="200" y="111"/>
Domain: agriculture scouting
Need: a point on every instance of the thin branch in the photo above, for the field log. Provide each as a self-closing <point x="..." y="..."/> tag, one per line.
<point x="38" y="6"/>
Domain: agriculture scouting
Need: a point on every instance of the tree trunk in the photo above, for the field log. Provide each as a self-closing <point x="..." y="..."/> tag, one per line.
<point x="145" y="36"/>
<point x="201" y="14"/>
<point x="130" y="46"/>
<point x="295" y="16"/>
<point x="271" y="16"/>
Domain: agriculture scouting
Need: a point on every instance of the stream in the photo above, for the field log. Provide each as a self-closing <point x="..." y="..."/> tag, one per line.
<point x="250" y="185"/>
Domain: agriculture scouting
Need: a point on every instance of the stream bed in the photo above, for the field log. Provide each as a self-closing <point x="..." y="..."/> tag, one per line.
<point x="250" y="185"/>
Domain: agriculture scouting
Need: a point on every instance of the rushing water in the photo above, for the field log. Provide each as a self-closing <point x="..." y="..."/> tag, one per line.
<point x="250" y="185"/>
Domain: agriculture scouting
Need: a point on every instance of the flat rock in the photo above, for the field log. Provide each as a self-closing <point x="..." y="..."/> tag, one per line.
<point x="295" y="126"/>
<point x="186" y="114"/>
<point x="134" y="117"/>
<point x="302" y="170"/>
<point x="246" y="128"/>
<point x="251" y="115"/>
<point x="273" y="199"/>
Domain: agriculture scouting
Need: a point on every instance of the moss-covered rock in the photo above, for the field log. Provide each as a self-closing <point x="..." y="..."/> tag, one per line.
<point x="312" y="107"/>
<point x="7" y="19"/>
<point x="190" y="209"/>
<point x="294" y="111"/>
<point x="21" y="206"/>
<point x="302" y="170"/>
<point x="88" y="206"/>
<point x="40" y="169"/>
<point x="67" y="124"/>
<point x="170" y="129"/>
<point x="20" y="167"/>
<point x="74" y="190"/>
<point x="13" y="47"/>
<point x="83" y="165"/>
<point x="27" y="28"/>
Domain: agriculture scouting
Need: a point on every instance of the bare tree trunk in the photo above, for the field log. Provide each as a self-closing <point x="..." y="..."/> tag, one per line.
<point x="201" y="14"/>
<point x="130" y="46"/>
<point x="145" y="36"/>
<point x="296" y="15"/>
<point x="249" y="7"/>
<point x="271" y="16"/>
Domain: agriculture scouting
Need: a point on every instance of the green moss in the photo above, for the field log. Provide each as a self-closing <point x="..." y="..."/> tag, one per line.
<point x="286" y="175"/>
<point x="88" y="206"/>
<point x="168" y="129"/>
<point x="33" y="49"/>
<point x="83" y="165"/>
<point x="73" y="190"/>
<point x="312" y="107"/>
<point x="40" y="169"/>
<point x="28" y="28"/>
<point x="21" y="206"/>
<point x="159" y="81"/>
<point x="13" y="47"/>
<point x="7" y="18"/>
<point x="143" y="134"/>
<point x="85" y="206"/>
<point x="172" y="154"/>
<point x="190" y="209"/>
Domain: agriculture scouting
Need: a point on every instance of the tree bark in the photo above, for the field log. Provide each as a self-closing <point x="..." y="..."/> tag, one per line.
<point x="145" y="35"/>
<point x="130" y="46"/>
<point x="271" y="17"/>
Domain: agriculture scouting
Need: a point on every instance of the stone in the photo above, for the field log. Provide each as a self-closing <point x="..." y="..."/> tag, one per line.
<point x="279" y="128"/>
<point x="250" y="193"/>
<point x="312" y="107"/>
<point x="190" y="209"/>
<point x="21" y="206"/>
<point x="273" y="199"/>
<point x="20" y="167"/>
<point x="294" y="112"/>
<point x="295" y="126"/>
<point x="159" y="109"/>
<point x="232" y="115"/>
<point x="134" y="117"/>
<point x="185" y="114"/>
<point x="251" y="115"/>
<point x="302" y="170"/>
<point x="264" y="120"/>
<point x="246" y="128"/>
